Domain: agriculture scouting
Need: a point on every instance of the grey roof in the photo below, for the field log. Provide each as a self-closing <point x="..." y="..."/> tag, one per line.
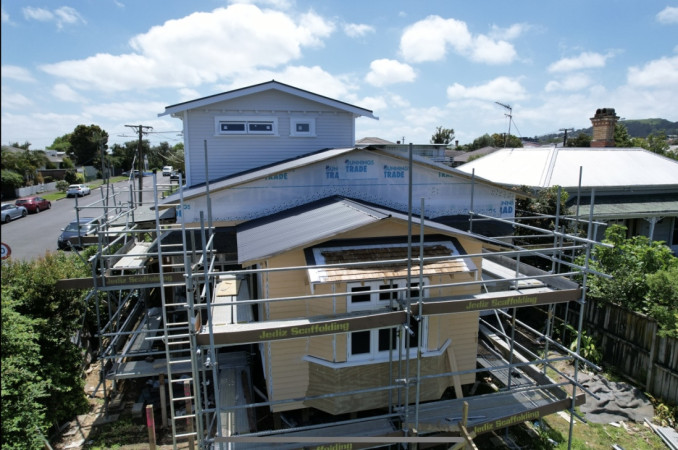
<point x="313" y="223"/>
<point x="636" y="206"/>
<point x="319" y="221"/>
<point x="464" y="157"/>
<point x="269" y="85"/>
<point x="601" y="167"/>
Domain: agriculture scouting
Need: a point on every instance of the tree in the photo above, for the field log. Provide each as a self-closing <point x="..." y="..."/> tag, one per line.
<point x="622" y="138"/>
<point x="442" y="135"/>
<point x="657" y="143"/>
<point x="500" y="140"/>
<point x="544" y="206"/>
<point x="62" y="143"/>
<point x="582" y="140"/>
<point x="24" y="146"/>
<point x="38" y="347"/>
<point x="644" y="277"/>
<point x="86" y="143"/>
<point x="483" y="141"/>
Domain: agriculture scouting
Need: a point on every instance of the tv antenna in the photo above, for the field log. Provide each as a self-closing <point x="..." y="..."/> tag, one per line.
<point x="510" y="116"/>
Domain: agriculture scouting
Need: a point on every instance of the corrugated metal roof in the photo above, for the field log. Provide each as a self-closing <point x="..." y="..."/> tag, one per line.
<point x="314" y="222"/>
<point x="642" y="207"/>
<point x="267" y="86"/>
<point x="601" y="167"/>
<point x="300" y="226"/>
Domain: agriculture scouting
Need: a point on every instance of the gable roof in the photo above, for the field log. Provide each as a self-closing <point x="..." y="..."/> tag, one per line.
<point x="601" y="167"/>
<point x="267" y="86"/>
<point x="314" y="222"/>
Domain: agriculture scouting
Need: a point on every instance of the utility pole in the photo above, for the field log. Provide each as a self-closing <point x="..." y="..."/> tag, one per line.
<point x="140" y="129"/>
<point x="565" y="137"/>
<point x="510" y="116"/>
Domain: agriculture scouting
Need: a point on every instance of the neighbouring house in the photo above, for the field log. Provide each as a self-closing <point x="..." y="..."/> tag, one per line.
<point x="629" y="186"/>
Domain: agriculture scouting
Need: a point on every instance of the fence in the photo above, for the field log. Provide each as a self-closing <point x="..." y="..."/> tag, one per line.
<point x="630" y="343"/>
<point x="36" y="189"/>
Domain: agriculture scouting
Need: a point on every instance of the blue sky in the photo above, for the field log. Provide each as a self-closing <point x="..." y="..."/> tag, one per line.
<point x="417" y="65"/>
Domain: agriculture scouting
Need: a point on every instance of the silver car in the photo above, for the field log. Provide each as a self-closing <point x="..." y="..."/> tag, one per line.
<point x="11" y="212"/>
<point x="77" y="190"/>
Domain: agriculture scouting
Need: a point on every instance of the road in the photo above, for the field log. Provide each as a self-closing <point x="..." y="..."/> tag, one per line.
<point x="34" y="235"/>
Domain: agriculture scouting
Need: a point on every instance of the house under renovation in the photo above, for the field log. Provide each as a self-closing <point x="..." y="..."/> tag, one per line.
<point x="296" y="289"/>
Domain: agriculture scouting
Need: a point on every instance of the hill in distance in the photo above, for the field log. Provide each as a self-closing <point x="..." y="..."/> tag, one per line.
<point x="637" y="128"/>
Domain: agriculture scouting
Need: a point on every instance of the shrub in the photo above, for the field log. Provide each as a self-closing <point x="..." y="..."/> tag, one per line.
<point x="62" y="185"/>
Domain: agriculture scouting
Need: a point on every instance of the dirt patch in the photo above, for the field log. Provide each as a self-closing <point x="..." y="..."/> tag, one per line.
<point x="124" y="427"/>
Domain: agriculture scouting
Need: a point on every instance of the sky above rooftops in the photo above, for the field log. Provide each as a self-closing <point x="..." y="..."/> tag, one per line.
<point x="417" y="65"/>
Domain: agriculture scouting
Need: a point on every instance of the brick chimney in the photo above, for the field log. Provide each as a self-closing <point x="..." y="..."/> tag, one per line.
<point x="603" y="127"/>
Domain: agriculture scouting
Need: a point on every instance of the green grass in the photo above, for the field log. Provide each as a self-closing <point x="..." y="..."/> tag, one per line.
<point x="53" y="196"/>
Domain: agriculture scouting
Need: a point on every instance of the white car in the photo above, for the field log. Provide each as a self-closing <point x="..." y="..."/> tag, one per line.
<point x="167" y="171"/>
<point x="78" y="190"/>
<point x="11" y="211"/>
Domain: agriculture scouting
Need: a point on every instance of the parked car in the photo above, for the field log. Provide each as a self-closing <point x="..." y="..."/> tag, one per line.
<point x="11" y="212"/>
<point x="34" y="204"/>
<point x="174" y="176"/>
<point x="78" y="190"/>
<point x="85" y="227"/>
<point x="167" y="171"/>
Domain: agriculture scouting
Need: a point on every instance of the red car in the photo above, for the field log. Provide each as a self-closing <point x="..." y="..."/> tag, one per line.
<point x="34" y="204"/>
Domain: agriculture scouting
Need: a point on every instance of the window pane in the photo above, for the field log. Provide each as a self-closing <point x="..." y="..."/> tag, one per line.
<point x="261" y="127"/>
<point x="386" y="344"/>
<point x="360" y="342"/>
<point x="303" y="127"/>
<point x="414" y="338"/>
<point x="385" y="296"/>
<point x="358" y="298"/>
<point x="233" y="127"/>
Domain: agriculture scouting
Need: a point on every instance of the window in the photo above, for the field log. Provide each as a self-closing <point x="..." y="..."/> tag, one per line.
<point x="375" y="344"/>
<point x="302" y="127"/>
<point x="247" y="125"/>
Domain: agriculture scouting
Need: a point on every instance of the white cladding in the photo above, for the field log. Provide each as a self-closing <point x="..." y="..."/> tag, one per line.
<point x="359" y="174"/>
<point x="233" y="153"/>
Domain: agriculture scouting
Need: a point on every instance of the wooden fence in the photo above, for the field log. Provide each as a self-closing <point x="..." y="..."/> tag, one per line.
<point x="629" y="342"/>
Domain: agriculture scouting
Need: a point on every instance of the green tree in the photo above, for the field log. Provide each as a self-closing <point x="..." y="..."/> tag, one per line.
<point x="582" y="140"/>
<point x="643" y="276"/>
<point x="541" y="207"/>
<point x="622" y="138"/>
<point x="656" y="143"/>
<point x="442" y="135"/>
<point x="62" y="143"/>
<point x="86" y="142"/>
<point x="483" y="141"/>
<point x="52" y="318"/>
<point x="500" y="140"/>
<point x="24" y="146"/>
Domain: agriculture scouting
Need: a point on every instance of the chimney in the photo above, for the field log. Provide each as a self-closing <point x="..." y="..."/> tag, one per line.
<point x="603" y="127"/>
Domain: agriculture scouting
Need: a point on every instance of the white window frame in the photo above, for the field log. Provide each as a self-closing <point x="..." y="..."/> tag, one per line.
<point x="377" y="300"/>
<point x="294" y="121"/>
<point x="248" y="122"/>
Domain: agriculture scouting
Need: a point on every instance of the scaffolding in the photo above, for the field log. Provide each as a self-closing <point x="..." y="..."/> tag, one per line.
<point x="174" y="304"/>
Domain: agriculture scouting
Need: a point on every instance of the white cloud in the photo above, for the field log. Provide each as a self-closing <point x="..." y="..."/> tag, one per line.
<point x="575" y="82"/>
<point x="66" y="93"/>
<point x="39" y="14"/>
<point x="233" y="40"/>
<point x="512" y="32"/>
<point x="668" y="15"/>
<point x="62" y="16"/>
<point x="499" y="89"/>
<point x="388" y="71"/>
<point x="4" y="15"/>
<point x="16" y="73"/>
<point x="67" y="15"/>
<point x="356" y="30"/>
<point x="488" y="51"/>
<point x="661" y="73"/>
<point x="586" y="60"/>
<point x="430" y="39"/>
<point x="14" y="100"/>
<point x="121" y="110"/>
